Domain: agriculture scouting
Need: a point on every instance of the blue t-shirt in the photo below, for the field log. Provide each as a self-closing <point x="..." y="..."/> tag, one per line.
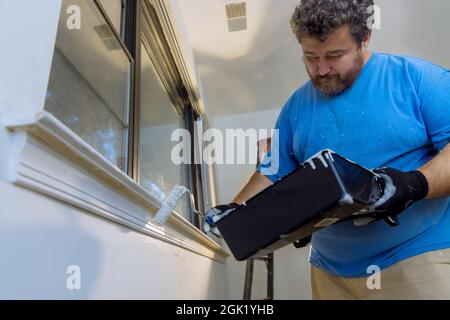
<point x="396" y="114"/>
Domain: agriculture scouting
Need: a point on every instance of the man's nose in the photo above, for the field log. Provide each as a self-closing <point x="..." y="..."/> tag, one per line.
<point x="323" y="68"/>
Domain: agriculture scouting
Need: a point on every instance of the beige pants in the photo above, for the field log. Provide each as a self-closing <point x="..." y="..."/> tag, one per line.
<point x="426" y="276"/>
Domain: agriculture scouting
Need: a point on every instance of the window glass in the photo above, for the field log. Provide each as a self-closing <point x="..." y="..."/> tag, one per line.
<point x="158" y="174"/>
<point x="90" y="82"/>
<point x="114" y="10"/>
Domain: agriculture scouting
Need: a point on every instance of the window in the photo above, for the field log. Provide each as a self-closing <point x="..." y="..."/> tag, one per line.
<point x="89" y="86"/>
<point x="158" y="174"/>
<point x="117" y="84"/>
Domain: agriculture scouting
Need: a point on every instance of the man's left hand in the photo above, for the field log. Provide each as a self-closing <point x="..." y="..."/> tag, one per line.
<point x="401" y="191"/>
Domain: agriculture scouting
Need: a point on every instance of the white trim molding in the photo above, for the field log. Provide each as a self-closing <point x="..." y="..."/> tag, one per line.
<point x="175" y="61"/>
<point x="54" y="161"/>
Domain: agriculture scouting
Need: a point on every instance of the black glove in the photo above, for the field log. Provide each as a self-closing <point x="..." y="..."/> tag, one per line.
<point x="215" y="214"/>
<point x="402" y="189"/>
<point x="303" y="242"/>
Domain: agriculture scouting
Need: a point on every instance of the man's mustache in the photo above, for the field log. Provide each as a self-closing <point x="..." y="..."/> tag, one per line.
<point x="324" y="78"/>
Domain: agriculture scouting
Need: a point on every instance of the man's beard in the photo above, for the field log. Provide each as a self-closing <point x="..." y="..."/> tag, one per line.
<point x="335" y="84"/>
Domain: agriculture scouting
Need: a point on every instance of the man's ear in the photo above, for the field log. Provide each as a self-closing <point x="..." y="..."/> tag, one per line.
<point x="366" y="40"/>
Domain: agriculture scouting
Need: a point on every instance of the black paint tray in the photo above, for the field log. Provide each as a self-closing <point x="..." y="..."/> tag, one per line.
<point x="323" y="191"/>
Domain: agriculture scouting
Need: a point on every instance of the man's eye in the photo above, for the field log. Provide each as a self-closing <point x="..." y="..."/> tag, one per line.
<point x="311" y="58"/>
<point x="335" y="56"/>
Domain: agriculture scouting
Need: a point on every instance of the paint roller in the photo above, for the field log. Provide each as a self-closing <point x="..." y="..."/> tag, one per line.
<point x="171" y="202"/>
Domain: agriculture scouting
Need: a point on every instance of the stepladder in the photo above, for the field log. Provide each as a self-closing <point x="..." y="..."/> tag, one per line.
<point x="249" y="270"/>
<point x="263" y="147"/>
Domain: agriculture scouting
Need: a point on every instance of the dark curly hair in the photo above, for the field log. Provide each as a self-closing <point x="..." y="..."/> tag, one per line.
<point x="318" y="18"/>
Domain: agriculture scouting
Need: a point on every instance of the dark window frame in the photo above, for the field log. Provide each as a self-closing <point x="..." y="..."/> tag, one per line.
<point x="132" y="34"/>
<point x="130" y="41"/>
<point x="194" y="171"/>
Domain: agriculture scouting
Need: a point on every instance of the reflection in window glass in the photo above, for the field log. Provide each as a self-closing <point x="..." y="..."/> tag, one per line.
<point x="89" y="83"/>
<point x="158" y="174"/>
<point x="113" y="9"/>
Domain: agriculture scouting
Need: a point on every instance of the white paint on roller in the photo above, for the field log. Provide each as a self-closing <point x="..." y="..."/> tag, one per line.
<point x="169" y="204"/>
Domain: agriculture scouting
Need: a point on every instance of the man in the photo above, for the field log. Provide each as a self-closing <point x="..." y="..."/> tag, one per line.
<point x="381" y="111"/>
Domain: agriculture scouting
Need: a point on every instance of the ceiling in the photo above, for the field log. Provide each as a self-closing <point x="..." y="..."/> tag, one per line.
<point x="244" y="71"/>
<point x="259" y="68"/>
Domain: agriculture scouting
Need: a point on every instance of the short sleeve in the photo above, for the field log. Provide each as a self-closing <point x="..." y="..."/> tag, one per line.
<point x="435" y="108"/>
<point x="280" y="160"/>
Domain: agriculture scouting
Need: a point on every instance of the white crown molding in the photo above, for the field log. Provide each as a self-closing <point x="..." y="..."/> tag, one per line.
<point x="55" y="161"/>
<point x="167" y="21"/>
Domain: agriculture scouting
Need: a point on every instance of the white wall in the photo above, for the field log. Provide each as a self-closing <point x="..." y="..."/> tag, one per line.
<point x="41" y="236"/>
<point x="29" y="29"/>
<point x="230" y="177"/>
<point x="414" y="27"/>
<point x="23" y="92"/>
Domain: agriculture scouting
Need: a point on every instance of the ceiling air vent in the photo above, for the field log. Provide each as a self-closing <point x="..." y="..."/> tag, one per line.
<point x="236" y="16"/>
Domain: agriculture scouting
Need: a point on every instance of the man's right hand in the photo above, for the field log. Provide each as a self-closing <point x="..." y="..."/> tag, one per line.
<point x="215" y="214"/>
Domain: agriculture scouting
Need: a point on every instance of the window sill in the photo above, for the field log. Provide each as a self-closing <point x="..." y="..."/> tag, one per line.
<point x="56" y="162"/>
